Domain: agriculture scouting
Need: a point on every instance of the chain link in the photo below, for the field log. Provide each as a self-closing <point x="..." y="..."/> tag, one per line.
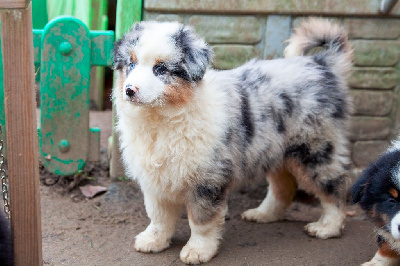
<point x="4" y="180"/>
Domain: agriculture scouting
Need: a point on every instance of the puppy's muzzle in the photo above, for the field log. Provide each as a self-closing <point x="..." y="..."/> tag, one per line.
<point x="131" y="90"/>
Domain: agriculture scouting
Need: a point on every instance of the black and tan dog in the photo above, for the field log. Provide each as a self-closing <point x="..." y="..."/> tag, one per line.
<point x="6" y="246"/>
<point x="190" y="134"/>
<point x="377" y="191"/>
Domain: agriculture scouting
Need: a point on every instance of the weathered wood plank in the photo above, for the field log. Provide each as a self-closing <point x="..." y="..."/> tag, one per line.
<point x="303" y="7"/>
<point x="20" y="111"/>
<point x="14" y="3"/>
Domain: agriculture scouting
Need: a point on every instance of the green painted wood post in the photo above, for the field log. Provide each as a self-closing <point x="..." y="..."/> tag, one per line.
<point x="39" y="14"/>
<point x="128" y="12"/>
<point x="40" y="18"/>
<point x="68" y="50"/>
<point x="98" y="21"/>
<point x="64" y="80"/>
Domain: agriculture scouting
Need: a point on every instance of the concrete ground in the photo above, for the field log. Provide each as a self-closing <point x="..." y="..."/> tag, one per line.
<point x="100" y="231"/>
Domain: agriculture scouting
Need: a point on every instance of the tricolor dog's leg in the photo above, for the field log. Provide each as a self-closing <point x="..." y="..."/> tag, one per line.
<point x="206" y="213"/>
<point x="384" y="256"/>
<point x="163" y="215"/>
<point x="281" y="191"/>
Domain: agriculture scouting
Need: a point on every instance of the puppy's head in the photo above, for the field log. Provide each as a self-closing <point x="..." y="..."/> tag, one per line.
<point x="378" y="192"/>
<point x="160" y="63"/>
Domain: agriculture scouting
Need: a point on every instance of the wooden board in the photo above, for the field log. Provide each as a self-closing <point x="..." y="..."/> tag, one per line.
<point x="20" y="113"/>
<point x="14" y="3"/>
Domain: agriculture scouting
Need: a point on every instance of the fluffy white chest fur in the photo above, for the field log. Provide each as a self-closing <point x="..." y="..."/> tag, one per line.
<point x="163" y="148"/>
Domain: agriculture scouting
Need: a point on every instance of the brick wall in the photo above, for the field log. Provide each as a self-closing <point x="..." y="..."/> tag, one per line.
<point x="241" y="30"/>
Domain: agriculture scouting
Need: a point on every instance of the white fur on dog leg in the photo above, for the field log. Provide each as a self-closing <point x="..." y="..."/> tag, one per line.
<point x="330" y="224"/>
<point x="323" y="231"/>
<point x="204" y="239"/>
<point x="163" y="215"/>
<point x="255" y="215"/>
<point x="270" y="210"/>
<point x="151" y="241"/>
<point x="199" y="250"/>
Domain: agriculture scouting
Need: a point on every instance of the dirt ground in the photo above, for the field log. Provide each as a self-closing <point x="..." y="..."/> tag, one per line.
<point x="101" y="231"/>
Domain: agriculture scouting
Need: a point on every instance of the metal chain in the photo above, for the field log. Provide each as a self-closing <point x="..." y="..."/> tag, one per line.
<point x="4" y="180"/>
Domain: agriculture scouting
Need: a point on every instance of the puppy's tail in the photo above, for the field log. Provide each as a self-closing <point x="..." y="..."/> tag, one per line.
<point x="321" y="33"/>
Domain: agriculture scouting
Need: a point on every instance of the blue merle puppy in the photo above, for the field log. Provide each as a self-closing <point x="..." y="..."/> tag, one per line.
<point x="190" y="134"/>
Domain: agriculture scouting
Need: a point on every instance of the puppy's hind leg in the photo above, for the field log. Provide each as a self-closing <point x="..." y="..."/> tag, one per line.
<point x="328" y="183"/>
<point x="331" y="222"/>
<point x="163" y="215"/>
<point x="332" y="198"/>
<point x="281" y="191"/>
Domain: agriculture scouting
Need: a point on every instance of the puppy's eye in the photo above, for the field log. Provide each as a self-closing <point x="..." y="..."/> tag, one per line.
<point x="131" y="66"/>
<point x="392" y="201"/>
<point x="159" y="69"/>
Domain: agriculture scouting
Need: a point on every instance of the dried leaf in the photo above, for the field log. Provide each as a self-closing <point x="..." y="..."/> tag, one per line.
<point x="90" y="191"/>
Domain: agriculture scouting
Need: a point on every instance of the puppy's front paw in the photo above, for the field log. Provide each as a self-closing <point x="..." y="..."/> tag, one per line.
<point x="255" y="215"/>
<point x="148" y="242"/>
<point x="196" y="254"/>
<point x="379" y="260"/>
<point x="370" y="263"/>
<point x="323" y="231"/>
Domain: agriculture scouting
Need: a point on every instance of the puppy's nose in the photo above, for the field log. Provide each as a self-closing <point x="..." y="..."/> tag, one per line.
<point x="130" y="90"/>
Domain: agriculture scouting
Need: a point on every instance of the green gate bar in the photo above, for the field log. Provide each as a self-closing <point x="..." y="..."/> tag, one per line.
<point x="65" y="50"/>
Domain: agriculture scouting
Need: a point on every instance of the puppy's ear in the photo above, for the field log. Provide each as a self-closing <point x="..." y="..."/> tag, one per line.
<point x="197" y="54"/>
<point x="362" y="184"/>
<point x="119" y="60"/>
<point x="123" y="46"/>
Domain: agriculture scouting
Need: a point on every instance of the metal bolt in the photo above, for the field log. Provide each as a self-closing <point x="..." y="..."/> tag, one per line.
<point x="65" y="48"/>
<point x="64" y="145"/>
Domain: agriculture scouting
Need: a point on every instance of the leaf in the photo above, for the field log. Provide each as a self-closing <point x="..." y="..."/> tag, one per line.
<point x="90" y="191"/>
